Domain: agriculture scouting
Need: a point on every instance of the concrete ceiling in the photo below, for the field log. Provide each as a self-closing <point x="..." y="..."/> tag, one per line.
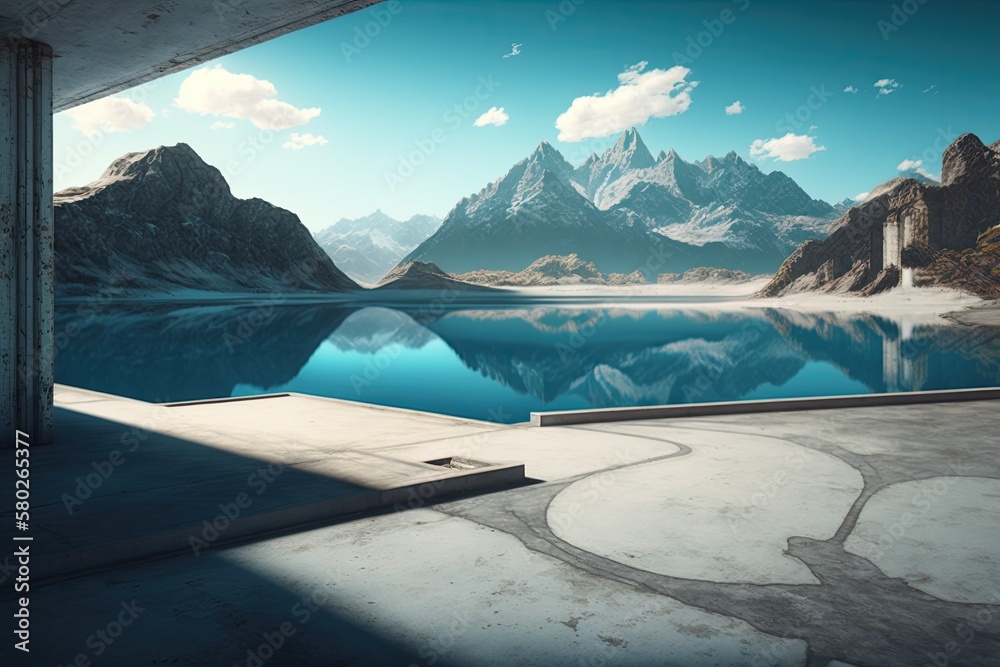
<point x="104" y="46"/>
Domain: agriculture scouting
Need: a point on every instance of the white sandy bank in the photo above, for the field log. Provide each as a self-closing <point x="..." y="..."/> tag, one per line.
<point x="916" y="305"/>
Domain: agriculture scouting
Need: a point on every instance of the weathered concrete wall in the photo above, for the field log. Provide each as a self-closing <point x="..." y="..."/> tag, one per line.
<point x="26" y="243"/>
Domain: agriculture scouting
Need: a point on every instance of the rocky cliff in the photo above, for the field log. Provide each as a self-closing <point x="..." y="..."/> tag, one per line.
<point x="945" y="234"/>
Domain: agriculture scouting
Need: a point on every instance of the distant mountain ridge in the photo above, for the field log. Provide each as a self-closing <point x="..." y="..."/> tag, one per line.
<point x="626" y="210"/>
<point x="553" y="270"/>
<point x="368" y="248"/>
<point x="163" y="220"/>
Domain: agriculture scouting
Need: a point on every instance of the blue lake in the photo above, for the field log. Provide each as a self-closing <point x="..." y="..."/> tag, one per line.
<point x="502" y="363"/>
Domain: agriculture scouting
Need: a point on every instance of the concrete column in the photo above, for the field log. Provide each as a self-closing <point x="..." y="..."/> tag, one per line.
<point x="26" y="244"/>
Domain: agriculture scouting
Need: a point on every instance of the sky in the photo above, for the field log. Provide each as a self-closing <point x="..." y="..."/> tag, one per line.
<point x="409" y="106"/>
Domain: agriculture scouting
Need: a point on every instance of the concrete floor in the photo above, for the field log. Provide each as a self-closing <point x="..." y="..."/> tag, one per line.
<point x="866" y="536"/>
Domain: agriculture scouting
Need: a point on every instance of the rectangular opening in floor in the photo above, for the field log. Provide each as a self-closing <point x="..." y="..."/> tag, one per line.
<point x="458" y="463"/>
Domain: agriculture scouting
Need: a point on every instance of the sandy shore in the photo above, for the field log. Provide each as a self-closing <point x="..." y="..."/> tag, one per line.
<point x="677" y="290"/>
<point x="929" y="305"/>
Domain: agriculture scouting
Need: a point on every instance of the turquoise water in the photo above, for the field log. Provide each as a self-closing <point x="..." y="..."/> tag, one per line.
<point x="502" y="363"/>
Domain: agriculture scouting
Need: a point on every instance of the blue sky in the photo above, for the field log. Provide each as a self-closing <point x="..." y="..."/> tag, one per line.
<point x="389" y="120"/>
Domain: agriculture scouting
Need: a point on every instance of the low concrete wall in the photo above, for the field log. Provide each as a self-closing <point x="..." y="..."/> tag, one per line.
<point x="568" y="418"/>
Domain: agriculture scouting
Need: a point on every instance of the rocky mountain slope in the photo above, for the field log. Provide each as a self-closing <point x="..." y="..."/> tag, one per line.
<point x="163" y="220"/>
<point x="625" y="211"/>
<point x="945" y="233"/>
<point x="369" y="247"/>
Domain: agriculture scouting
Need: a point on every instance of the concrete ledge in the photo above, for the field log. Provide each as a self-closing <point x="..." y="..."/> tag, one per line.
<point x="178" y="539"/>
<point x="217" y="401"/>
<point x="570" y="417"/>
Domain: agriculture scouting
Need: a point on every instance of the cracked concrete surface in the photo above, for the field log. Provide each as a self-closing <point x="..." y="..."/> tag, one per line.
<point x="857" y="614"/>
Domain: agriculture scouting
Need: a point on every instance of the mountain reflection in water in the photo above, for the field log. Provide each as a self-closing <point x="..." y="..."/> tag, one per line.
<point x="500" y="364"/>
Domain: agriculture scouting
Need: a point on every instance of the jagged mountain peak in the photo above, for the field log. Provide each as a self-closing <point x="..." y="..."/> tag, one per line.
<point x="966" y="158"/>
<point x="629" y="151"/>
<point x="709" y="164"/>
<point x="545" y="150"/>
<point x="372" y="218"/>
<point x="629" y="137"/>
<point x="734" y="159"/>
<point x="548" y="157"/>
<point x="143" y="162"/>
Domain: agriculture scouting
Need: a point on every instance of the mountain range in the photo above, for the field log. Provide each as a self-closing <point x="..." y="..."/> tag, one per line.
<point x="163" y="220"/>
<point x="627" y="210"/>
<point x="368" y="248"/>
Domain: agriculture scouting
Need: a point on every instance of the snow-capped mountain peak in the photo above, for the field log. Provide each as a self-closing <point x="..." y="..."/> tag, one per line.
<point x="615" y="207"/>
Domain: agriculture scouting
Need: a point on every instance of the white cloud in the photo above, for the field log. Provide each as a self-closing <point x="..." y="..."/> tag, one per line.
<point x="495" y="116"/>
<point x="110" y="114"/>
<point x="222" y="125"/>
<point x="863" y="196"/>
<point x="218" y="92"/>
<point x="300" y="141"/>
<point x="515" y="50"/>
<point x="887" y="86"/>
<point x="932" y="89"/>
<point x="788" y="148"/>
<point x="850" y="89"/>
<point x="918" y="166"/>
<point x="640" y="96"/>
<point x="735" y="109"/>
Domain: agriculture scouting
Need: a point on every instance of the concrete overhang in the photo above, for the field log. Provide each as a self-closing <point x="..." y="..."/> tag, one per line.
<point x="105" y="46"/>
